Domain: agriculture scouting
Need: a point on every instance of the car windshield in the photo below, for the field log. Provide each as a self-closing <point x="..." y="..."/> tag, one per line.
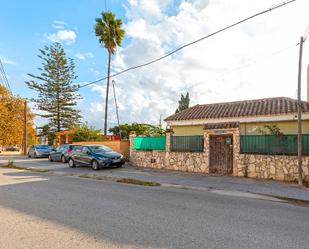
<point x="43" y="147"/>
<point x="100" y="148"/>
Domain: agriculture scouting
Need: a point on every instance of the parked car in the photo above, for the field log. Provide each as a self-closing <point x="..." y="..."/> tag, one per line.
<point x="96" y="156"/>
<point x="12" y="148"/>
<point x="62" y="153"/>
<point x="39" y="150"/>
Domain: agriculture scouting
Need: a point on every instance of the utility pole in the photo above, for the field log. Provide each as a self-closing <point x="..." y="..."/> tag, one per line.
<point x="116" y="106"/>
<point x="299" y="109"/>
<point x="25" y="129"/>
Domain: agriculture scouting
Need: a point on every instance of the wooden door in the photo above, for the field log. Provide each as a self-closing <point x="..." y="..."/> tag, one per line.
<point x="221" y="154"/>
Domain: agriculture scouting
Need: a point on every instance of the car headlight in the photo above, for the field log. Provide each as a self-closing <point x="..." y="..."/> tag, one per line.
<point x="103" y="159"/>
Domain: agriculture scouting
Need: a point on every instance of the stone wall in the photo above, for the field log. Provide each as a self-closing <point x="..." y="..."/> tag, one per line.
<point x="277" y="167"/>
<point x="181" y="161"/>
<point x="283" y="168"/>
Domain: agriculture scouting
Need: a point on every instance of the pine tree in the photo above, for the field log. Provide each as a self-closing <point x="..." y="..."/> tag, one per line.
<point x="57" y="95"/>
<point x="183" y="103"/>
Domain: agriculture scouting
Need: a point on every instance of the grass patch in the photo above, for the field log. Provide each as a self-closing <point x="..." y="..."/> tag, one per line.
<point x="100" y="178"/>
<point x="138" y="182"/>
<point x="121" y="180"/>
<point x="10" y="165"/>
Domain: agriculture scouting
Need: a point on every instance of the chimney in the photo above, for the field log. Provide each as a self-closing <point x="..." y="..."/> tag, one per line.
<point x="308" y="83"/>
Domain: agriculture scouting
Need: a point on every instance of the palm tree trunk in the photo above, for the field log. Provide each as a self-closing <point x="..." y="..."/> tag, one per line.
<point x="107" y="91"/>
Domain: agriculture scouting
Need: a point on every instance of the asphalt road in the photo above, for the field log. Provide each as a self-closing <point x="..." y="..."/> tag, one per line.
<point x="191" y="180"/>
<point x="113" y="215"/>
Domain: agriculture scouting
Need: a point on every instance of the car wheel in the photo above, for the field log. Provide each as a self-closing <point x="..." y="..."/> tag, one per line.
<point x="29" y="156"/>
<point x="50" y="158"/>
<point x="71" y="163"/>
<point x="63" y="160"/>
<point x="95" y="165"/>
<point x="119" y="165"/>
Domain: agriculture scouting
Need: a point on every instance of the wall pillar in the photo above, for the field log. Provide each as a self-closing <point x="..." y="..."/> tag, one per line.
<point x="236" y="150"/>
<point x="206" y="149"/>
<point x="131" y="144"/>
<point x="168" y="135"/>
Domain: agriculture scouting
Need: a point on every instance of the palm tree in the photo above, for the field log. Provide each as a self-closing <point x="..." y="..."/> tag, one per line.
<point x="110" y="34"/>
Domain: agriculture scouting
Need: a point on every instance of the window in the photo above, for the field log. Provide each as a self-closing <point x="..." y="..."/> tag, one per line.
<point x="85" y="150"/>
<point x="77" y="148"/>
<point x="100" y="149"/>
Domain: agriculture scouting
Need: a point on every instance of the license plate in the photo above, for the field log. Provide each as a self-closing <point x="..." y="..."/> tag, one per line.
<point x="116" y="161"/>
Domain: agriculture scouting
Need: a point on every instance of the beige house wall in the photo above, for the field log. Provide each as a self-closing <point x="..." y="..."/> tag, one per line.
<point x="287" y="127"/>
<point x="188" y="130"/>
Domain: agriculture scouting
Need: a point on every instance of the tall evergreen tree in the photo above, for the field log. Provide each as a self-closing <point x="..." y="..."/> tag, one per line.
<point x="183" y="103"/>
<point x="57" y="95"/>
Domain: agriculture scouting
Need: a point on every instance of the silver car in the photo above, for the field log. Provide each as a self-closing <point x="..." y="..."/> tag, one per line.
<point x="39" y="150"/>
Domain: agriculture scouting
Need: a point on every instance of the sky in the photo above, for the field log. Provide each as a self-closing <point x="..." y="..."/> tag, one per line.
<point x="257" y="59"/>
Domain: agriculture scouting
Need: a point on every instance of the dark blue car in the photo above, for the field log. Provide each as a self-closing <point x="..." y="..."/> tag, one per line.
<point x="62" y="153"/>
<point x="96" y="156"/>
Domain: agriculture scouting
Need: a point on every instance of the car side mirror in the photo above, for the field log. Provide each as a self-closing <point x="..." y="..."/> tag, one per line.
<point x="88" y="153"/>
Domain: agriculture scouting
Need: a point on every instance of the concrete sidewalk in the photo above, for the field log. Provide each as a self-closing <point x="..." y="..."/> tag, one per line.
<point x="207" y="182"/>
<point x="175" y="178"/>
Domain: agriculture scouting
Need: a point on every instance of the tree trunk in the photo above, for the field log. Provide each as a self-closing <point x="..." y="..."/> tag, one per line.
<point x="107" y="91"/>
<point x="58" y="112"/>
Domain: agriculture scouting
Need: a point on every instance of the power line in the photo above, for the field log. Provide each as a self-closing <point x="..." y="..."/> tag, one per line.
<point x="191" y="43"/>
<point x="306" y="33"/>
<point x="4" y="78"/>
<point x="258" y="59"/>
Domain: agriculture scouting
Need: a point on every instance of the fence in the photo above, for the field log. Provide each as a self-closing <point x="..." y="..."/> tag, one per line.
<point x="272" y="144"/>
<point x="150" y="143"/>
<point x="187" y="143"/>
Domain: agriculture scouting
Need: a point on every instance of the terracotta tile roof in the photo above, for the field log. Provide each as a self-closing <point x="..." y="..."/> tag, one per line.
<point x="246" y="108"/>
<point x="224" y="125"/>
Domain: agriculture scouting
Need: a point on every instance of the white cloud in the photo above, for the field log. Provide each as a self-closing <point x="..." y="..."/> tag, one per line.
<point x="84" y="56"/>
<point x="213" y="70"/>
<point x="7" y="61"/>
<point x="95" y="72"/>
<point x="59" y="24"/>
<point x="66" y="36"/>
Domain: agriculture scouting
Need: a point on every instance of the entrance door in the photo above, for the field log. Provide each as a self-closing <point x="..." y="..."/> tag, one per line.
<point x="221" y="154"/>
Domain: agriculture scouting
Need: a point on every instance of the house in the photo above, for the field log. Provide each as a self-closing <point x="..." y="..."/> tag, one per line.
<point x="252" y="116"/>
<point x="229" y="138"/>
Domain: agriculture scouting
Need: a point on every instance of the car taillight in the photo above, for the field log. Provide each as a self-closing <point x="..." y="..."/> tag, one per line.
<point x="69" y="151"/>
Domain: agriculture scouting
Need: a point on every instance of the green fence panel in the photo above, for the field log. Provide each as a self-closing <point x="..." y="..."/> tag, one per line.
<point x="150" y="143"/>
<point x="187" y="143"/>
<point x="272" y="144"/>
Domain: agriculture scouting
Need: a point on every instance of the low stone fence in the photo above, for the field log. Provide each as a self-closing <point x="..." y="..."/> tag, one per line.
<point x="181" y="161"/>
<point x="276" y="167"/>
